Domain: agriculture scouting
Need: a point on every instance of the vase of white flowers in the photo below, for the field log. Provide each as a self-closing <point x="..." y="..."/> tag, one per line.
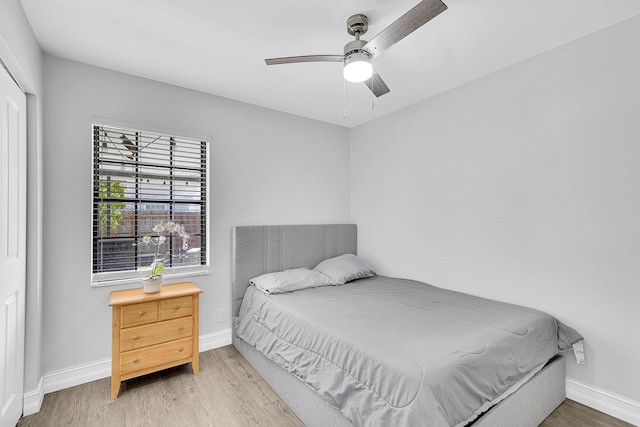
<point x="153" y="282"/>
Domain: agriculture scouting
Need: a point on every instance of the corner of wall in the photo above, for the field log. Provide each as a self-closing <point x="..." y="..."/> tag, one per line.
<point x="33" y="399"/>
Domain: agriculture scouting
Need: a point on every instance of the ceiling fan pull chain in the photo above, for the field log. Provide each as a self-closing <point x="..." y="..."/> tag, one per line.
<point x="373" y="99"/>
<point x="344" y="99"/>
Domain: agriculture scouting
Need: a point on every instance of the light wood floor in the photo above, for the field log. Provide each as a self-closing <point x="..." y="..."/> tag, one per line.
<point x="227" y="392"/>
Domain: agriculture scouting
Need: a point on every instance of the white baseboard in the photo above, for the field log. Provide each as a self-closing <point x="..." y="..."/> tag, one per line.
<point x="77" y="375"/>
<point x="93" y="371"/>
<point x="33" y="399"/>
<point x="604" y="401"/>
<point x="215" y="340"/>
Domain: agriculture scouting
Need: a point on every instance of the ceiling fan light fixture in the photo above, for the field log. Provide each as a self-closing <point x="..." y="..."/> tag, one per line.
<point x="357" y="67"/>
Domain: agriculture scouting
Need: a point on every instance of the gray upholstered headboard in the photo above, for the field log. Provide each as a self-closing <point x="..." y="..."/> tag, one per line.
<point x="264" y="249"/>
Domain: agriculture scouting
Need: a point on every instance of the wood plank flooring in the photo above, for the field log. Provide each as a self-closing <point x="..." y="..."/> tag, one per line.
<point x="574" y="414"/>
<point x="227" y="392"/>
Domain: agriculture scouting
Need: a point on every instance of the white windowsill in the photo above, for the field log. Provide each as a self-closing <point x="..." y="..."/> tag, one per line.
<point x="138" y="280"/>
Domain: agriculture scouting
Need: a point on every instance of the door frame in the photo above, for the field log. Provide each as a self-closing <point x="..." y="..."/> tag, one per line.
<point x="25" y="64"/>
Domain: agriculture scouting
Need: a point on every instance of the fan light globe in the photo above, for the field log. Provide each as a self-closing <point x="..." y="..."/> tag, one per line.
<point x="357" y="67"/>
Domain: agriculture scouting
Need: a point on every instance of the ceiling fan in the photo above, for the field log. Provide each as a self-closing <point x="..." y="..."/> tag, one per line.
<point x="358" y="53"/>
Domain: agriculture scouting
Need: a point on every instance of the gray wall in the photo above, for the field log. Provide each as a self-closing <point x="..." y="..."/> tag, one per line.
<point x="521" y="186"/>
<point x="266" y="168"/>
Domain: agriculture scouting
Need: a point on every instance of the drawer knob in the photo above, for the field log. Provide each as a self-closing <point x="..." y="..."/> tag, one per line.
<point x="182" y="328"/>
<point x="176" y="307"/>
<point x="141" y="313"/>
<point x="136" y="360"/>
<point x="135" y="337"/>
<point x="180" y="349"/>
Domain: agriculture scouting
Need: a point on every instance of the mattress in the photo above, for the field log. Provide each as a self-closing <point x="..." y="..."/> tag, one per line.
<point x="387" y="351"/>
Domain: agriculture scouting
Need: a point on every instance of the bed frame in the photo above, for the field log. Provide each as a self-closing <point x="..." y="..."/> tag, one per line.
<point x="264" y="249"/>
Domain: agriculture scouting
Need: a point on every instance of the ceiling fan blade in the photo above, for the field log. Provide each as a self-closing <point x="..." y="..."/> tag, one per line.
<point x="422" y="13"/>
<point x="377" y="85"/>
<point x="307" y="58"/>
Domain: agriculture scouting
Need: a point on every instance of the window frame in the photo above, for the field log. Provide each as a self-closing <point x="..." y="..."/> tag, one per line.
<point x="112" y="278"/>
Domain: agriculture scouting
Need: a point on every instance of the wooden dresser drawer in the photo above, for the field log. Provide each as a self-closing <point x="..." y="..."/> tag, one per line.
<point x="155" y="333"/>
<point x="157" y="355"/>
<point x="176" y="307"/>
<point x="139" y="314"/>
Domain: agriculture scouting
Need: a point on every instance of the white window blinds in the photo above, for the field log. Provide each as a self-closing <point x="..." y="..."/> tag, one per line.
<point x="141" y="179"/>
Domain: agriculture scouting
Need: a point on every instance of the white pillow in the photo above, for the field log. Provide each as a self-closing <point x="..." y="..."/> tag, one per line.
<point x="345" y="268"/>
<point x="290" y="280"/>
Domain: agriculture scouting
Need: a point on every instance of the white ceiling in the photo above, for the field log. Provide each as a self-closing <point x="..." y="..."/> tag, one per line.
<point x="219" y="46"/>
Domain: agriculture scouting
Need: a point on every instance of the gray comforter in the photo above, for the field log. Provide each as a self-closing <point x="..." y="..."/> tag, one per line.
<point x="395" y="352"/>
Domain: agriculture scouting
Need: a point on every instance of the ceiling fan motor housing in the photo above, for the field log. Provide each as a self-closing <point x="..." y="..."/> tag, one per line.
<point x="357" y="25"/>
<point x="355" y="46"/>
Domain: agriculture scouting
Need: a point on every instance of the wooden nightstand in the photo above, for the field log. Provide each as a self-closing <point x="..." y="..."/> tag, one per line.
<point x="153" y="331"/>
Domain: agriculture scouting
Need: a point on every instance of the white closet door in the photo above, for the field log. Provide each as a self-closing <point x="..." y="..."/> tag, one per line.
<point x="13" y="215"/>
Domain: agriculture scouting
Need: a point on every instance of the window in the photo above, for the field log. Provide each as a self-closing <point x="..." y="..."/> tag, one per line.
<point x="141" y="179"/>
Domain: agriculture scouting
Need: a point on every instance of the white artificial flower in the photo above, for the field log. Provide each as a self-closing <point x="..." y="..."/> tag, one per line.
<point x="157" y="241"/>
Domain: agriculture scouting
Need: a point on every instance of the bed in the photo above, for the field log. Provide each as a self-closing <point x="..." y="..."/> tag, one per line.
<point x="334" y="366"/>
